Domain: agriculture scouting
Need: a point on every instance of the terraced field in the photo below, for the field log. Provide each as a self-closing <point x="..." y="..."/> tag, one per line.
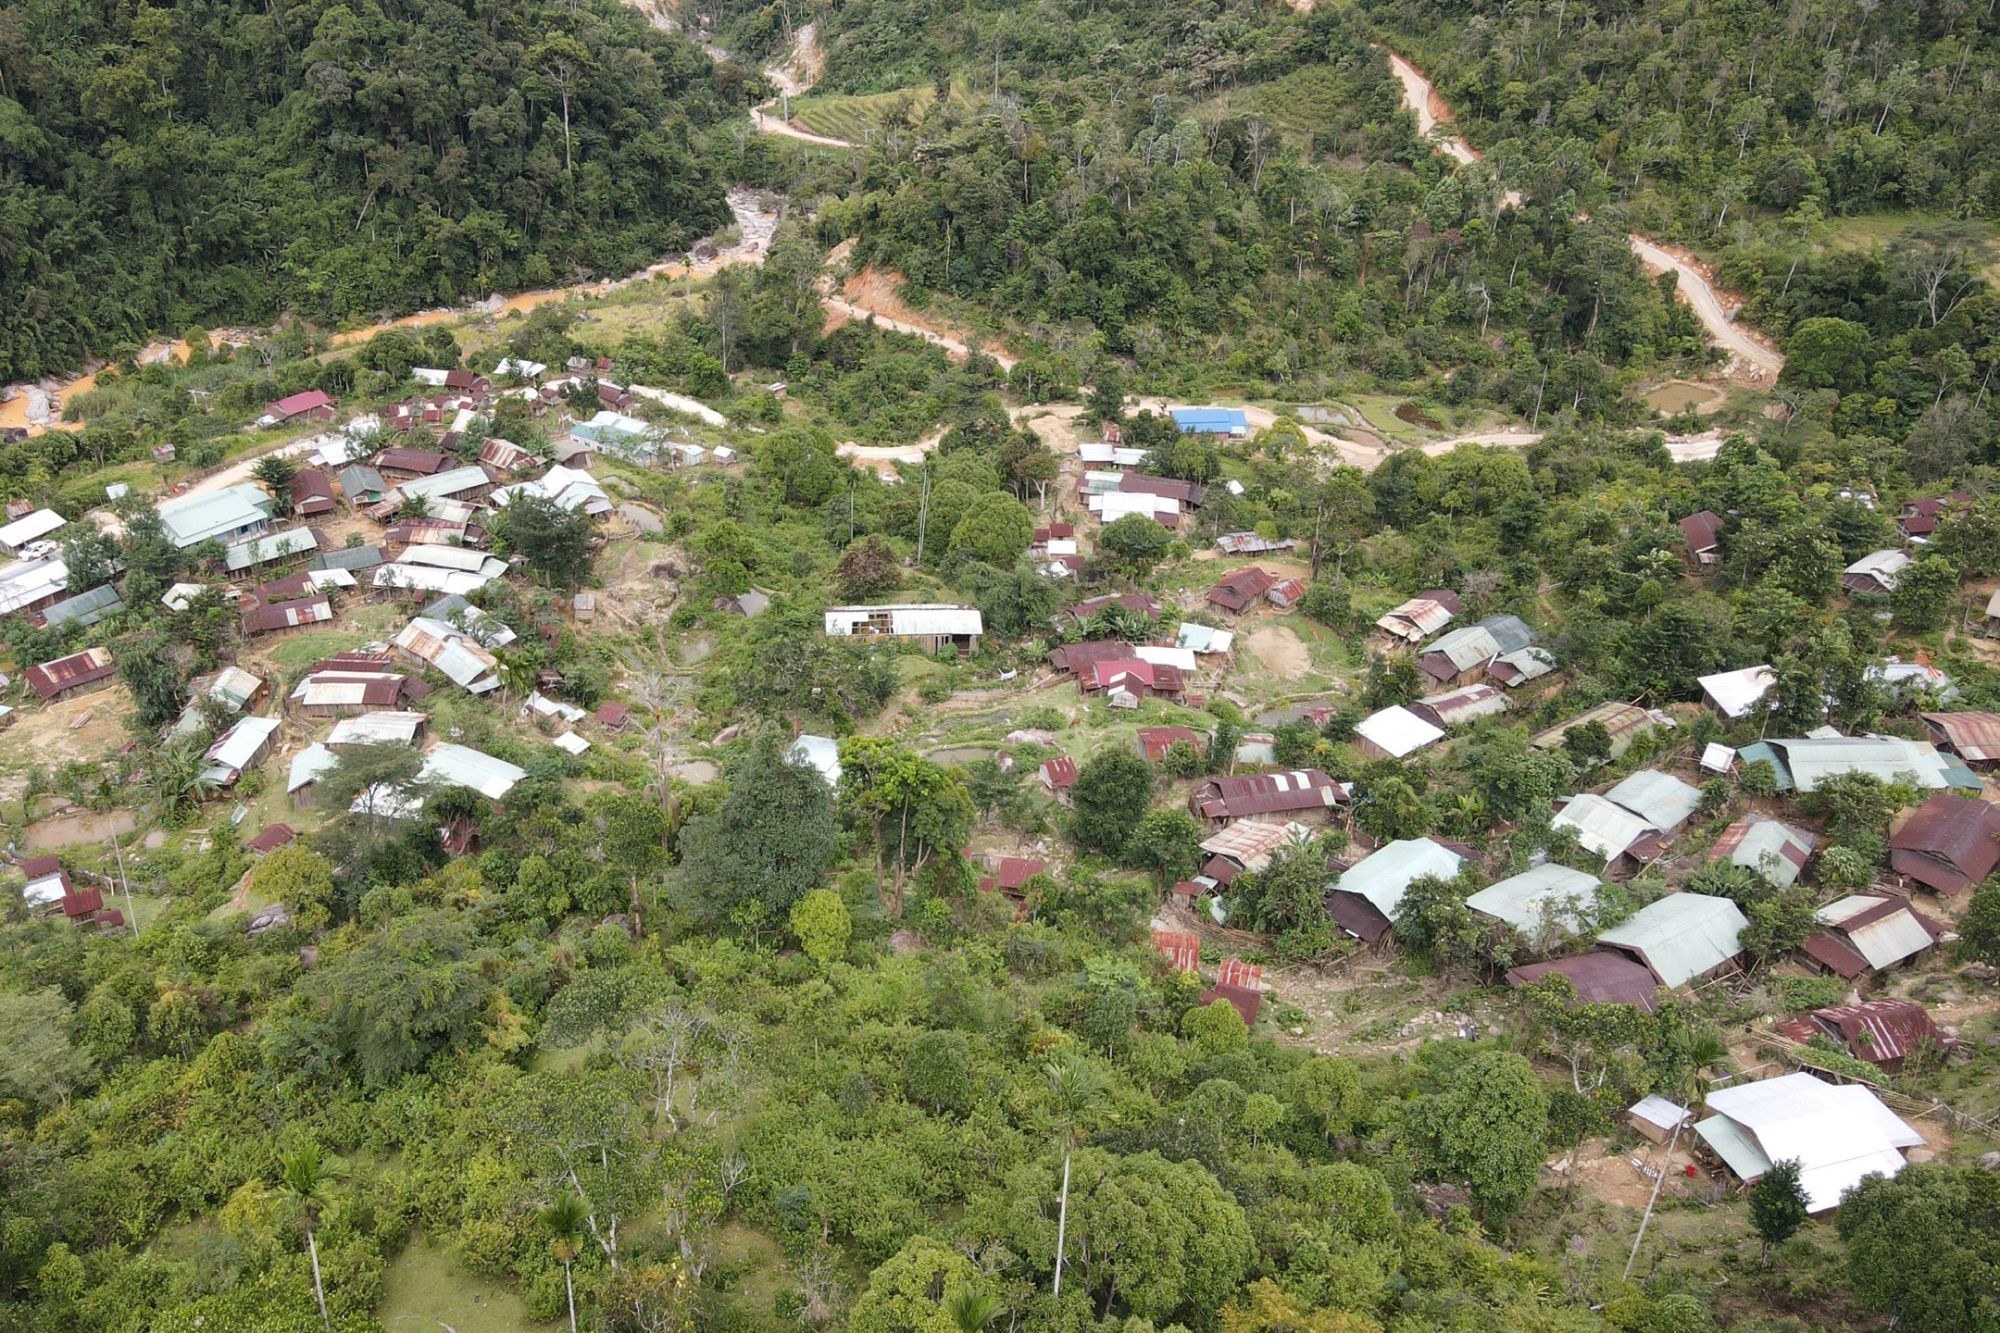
<point x="852" y="117"/>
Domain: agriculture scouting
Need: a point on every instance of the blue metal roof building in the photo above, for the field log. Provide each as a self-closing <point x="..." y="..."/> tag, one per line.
<point x="1211" y="420"/>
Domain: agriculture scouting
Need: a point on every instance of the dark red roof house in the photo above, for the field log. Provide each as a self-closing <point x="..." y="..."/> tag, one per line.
<point x="270" y="838"/>
<point x="1080" y="659"/>
<point x="287" y="615"/>
<point x="1154" y="742"/>
<point x="312" y="405"/>
<point x="1238" y="590"/>
<point x="408" y="462"/>
<point x="1882" y="1032"/>
<point x="82" y="905"/>
<point x="1703" y="534"/>
<point x="1601" y="975"/>
<point x="52" y="680"/>
<point x="1011" y="876"/>
<point x="1950" y="842"/>
<point x="312" y="493"/>
<point x="1172" y="488"/>
<point x="1920" y="518"/>
<point x="1300" y="792"/>
<point x="1059" y="774"/>
<point x="614" y="716"/>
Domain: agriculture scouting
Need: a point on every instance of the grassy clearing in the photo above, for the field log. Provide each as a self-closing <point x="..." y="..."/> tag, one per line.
<point x="1884" y="229"/>
<point x="1299" y="104"/>
<point x="424" y="1289"/>
<point x="852" y="117"/>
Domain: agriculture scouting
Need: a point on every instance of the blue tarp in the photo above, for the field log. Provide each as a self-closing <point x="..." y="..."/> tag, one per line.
<point x="1211" y="420"/>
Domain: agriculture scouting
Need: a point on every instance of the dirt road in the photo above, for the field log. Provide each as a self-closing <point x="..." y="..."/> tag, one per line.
<point x="1753" y="357"/>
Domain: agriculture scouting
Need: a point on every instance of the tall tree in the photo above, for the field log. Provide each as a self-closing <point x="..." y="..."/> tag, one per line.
<point x="304" y="1175"/>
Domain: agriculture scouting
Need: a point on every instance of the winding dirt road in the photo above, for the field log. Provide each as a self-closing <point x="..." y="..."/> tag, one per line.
<point x="1752" y="356"/>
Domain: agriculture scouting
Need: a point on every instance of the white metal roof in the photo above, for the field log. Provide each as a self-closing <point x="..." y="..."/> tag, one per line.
<point x="543" y="706"/>
<point x="428" y="578"/>
<point x="1762" y="849"/>
<point x="1202" y="639"/>
<point x="1182" y="658"/>
<point x="30" y="526"/>
<point x="463" y="558"/>
<point x="1418" y="618"/>
<point x="1467" y="646"/>
<point x="1466" y="703"/>
<point x="1885" y="567"/>
<point x="236" y="747"/>
<point x="463" y="766"/>
<point x="449" y="482"/>
<point x="235" y="687"/>
<point x="917" y="618"/>
<point x="1737" y="692"/>
<point x="1113" y="505"/>
<point x="1528" y="663"/>
<point x="1602" y="826"/>
<point x="821" y="752"/>
<point x="1837" y="1133"/>
<point x="1682" y="935"/>
<point x="1250" y="842"/>
<point x="1890" y="758"/>
<point x="1382" y="876"/>
<point x="25" y="582"/>
<point x="181" y="595"/>
<point x="1398" y="732"/>
<point x="1884" y="942"/>
<point x="1717" y="758"/>
<point x="257" y="550"/>
<point x="572" y="743"/>
<point x="1657" y="1110"/>
<point x="1661" y="799"/>
<point x="44" y="889"/>
<point x="459" y="657"/>
<point x="384" y="728"/>
<point x="1545" y="895"/>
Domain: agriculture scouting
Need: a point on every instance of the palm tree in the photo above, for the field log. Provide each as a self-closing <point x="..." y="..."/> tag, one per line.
<point x="1074" y="1086"/>
<point x="564" y="1218"/>
<point x="971" y="1311"/>
<point x="179" y="776"/>
<point x="304" y="1176"/>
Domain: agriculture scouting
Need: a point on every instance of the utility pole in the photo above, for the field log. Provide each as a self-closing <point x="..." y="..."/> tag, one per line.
<point x="923" y="511"/>
<point x="131" y="917"/>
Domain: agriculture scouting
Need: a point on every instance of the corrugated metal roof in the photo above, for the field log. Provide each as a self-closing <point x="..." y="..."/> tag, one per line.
<point x="1181" y="659"/>
<point x="1661" y="799"/>
<point x="454" y="481"/>
<point x="1735" y="693"/>
<point x="199" y="518"/>
<point x="1466" y="647"/>
<point x="1837" y="1133"/>
<point x="1948" y="843"/>
<point x="1976" y="736"/>
<point x="1545" y="895"/>
<point x="235" y="687"/>
<point x="463" y="661"/>
<point x="1602" y="826"/>
<point x="1265" y="794"/>
<point x="905" y="620"/>
<point x="310" y="765"/>
<point x="1382" y="876"/>
<point x="1884" y="567"/>
<point x="383" y="728"/>
<point x="1887" y="757"/>
<point x="25" y="582"/>
<point x="1879" y="1031"/>
<point x="1769" y="846"/>
<point x="1457" y="707"/>
<point x="1418" y="618"/>
<point x="1059" y="772"/>
<point x="1882" y="930"/>
<point x="50" y="678"/>
<point x="85" y="609"/>
<point x="1622" y="720"/>
<point x="288" y="615"/>
<point x="1201" y="639"/>
<point x="462" y="558"/>
<point x="1657" y="1110"/>
<point x="1249" y="842"/>
<point x="237" y="747"/>
<point x="426" y="578"/>
<point x="1600" y="975"/>
<point x="1397" y="731"/>
<point x="463" y="766"/>
<point x="261" y="550"/>
<point x="27" y="528"/>
<point x="1683" y="935"/>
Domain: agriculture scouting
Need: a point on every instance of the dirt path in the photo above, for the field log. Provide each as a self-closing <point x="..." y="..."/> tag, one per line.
<point x="1751" y="356"/>
<point x="801" y="69"/>
<point x="876" y="294"/>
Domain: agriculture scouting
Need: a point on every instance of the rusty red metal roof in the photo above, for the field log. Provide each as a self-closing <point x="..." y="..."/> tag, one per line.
<point x="1244" y="1001"/>
<point x="614" y="715"/>
<point x="1156" y="741"/>
<point x="1265" y="794"/>
<point x="287" y="615"/>
<point x="271" y="837"/>
<point x="1080" y="658"/>
<point x="1834" y="956"/>
<point x="1240" y="587"/>
<point x="1181" y="950"/>
<point x="1701" y="531"/>
<point x="51" y="678"/>
<point x="83" y="902"/>
<point x="1974" y="736"/>
<point x="1881" y="1032"/>
<point x="1600" y="975"/>
<point x="1059" y="772"/>
<point x="1951" y="841"/>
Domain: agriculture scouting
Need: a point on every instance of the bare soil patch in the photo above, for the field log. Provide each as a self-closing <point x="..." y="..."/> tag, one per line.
<point x="1281" y="652"/>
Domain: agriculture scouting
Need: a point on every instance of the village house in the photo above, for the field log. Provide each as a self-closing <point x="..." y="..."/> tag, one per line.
<point x="31" y="585"/>
<point x="31" y="527"/>
<point x="1058" y="776"/>
<point x="1869" y="932"/>
<point x="505" y="455"/>
<point x="1251" y="543"/>
<point x="1239" y="985"/>
<point x="1395" y="733"/>
<point x="1460" y="707"/>
<point x="1734" y="695"/>
<point x="1621" y="721"/>
<point x="1239" y="590"/>
<point x="1465" y="655"/>
<point x="1947" y="843"/>
<point x="312" y="405"/>
<point x="47" y="882"/>
<point x="1230" y="421"/>
<point x="275" y="616"/>
<point x="1417" y="619"/>
<point x="363" y="485"/>
<point x="440" y="569"/>
<point x="1630" y="825"/>
<point x="1203" y="640"/>
<point x="312" y="493"/>
<point x="467" y="485"/>
<point x="386" y="727"/>
<point x="1301" y="794"/>
<point x="1127" y="681"/>
<point x="1185" y="494"/>
<point x="1139" y="604"/>
<point x="1920" y="518"/>
<point x="239" y="749"/>
<point x="1682" y="937"/>
<point x="931" y="625"/>
<point x="307" y="768"/>
<point x="352" y="559"/>
<point x="225" y="516"/>
<point x="1080" y="659"/>
<point x="1703" y="533"/>
<point x="1973" y="737"/>
<point x="65" y="676"/>
<point x="1803" y="763"/>
<point x="1883" y="1032"/>
<point x="1839" y="1134"/>
<point x="568" y="487"/>
<point x="270" y="549"/>
<point x="1600" y="976"/>
<point x="1011" y="875"/>
<point x="457" y="656"/>
<point x="1542" y="902"/>
<point x="1247" y="846"/>
<point x="614" y="716"/>
<point x="84" y="609"/>
<point x="1771" y="847"/>
<point x="1875" y="573"/>
<point x="400" y="463"/>
<point x="1154" y="742"/>
<point x="1364" y="899"/>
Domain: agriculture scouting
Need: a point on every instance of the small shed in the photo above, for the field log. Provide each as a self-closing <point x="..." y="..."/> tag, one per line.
<point x="1656" y="1118"/>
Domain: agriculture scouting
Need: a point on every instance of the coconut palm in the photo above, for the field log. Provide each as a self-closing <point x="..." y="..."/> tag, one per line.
<point x="564" y="1218"/>
<point x="1074" y="1086"/>
<point x="178" y="775"/>
<point x="304" y="1175"/>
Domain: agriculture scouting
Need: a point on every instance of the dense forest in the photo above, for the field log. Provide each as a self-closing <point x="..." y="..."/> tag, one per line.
<point x="162" y="167"/>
